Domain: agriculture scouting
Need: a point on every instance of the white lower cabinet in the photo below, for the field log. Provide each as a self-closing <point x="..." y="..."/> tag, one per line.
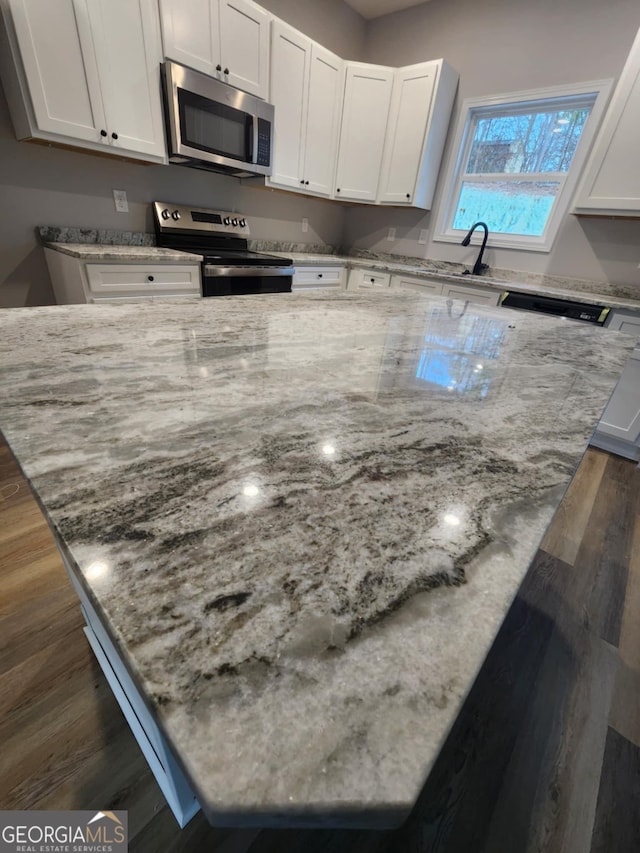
<point x="319" y="278"/>
<point x="75" y="280"/>
<point x="469" y="293"/>
<point x="619" y="428"/>
<point x="360" y="279"/>
<point x="421" y="285"/>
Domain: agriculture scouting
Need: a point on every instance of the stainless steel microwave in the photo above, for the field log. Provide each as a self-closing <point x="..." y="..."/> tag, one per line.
<point x="211" y="125"/>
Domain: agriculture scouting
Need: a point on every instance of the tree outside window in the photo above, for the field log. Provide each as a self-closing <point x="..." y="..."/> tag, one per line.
<point x="514" y="161"/>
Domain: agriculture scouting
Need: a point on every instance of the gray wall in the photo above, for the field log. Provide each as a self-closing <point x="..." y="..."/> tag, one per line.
<point x="49" y="186"/>
<point x="330" y="22"/>
<point x="505" y="46"/>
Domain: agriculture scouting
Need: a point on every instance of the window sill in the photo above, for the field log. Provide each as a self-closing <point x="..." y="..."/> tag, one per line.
<point x="497" y="241"/>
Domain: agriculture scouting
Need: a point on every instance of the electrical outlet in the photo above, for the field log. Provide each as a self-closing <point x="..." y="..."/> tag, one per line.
<point x="423" y="236"/>
<point x="120" y="200"/>
<point x="305" y="225"/>
<point x="392" y="235"/>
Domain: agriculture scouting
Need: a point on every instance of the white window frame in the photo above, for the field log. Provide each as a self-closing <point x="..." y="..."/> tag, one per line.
<point x="460" y="154"/>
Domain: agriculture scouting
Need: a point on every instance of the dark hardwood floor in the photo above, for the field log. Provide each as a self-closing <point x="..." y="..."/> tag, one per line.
<point x="545" y="755"/>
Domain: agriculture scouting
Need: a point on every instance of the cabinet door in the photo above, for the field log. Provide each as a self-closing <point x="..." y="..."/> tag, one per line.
<point x="56" y="50"/>
<point x="479" y="295"/>
<point x="326" y="88"/>
<point x="127" y="40"/>
<point x="413" y="89"/>
<point x="364" y="123"/>
<point x="621" y="418"/>
<point x="244" y="46"/>
<point x="190" y="33"/>
<point x="622" y="322"/>
<point x="290" y="60"/>
<point x="421" y="285"/>
<point x="611" y="182"/>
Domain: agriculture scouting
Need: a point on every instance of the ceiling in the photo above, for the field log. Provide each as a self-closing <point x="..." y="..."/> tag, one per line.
<point x="375" y="8"/>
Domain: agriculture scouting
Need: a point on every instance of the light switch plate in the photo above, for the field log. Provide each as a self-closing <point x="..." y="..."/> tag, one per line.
<point x="423" y="236"/>
<point x="305" y="225"/>
<point x="120" y="200"/>
<point x="392" y="235"/>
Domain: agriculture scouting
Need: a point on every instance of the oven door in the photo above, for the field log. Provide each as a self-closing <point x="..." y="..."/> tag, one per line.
<point x="236" y="281"/>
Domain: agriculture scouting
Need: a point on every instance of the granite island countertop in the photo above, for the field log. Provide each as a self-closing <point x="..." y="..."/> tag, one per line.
<point x="310" y="515"/>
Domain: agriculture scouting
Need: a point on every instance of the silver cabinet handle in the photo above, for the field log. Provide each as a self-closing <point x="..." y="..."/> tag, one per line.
<point x="245" y="272"/>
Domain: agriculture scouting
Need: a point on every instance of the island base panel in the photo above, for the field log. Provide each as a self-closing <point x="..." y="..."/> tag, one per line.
<point x="170" y="778"/>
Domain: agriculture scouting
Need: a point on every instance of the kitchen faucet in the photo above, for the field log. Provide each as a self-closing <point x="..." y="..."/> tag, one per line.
<point x="478" y="267"/>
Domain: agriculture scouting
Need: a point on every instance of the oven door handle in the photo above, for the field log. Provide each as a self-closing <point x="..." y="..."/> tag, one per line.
<point x="211" y="270"/>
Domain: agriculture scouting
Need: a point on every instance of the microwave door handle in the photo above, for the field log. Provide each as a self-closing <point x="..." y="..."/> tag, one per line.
<point x="253" y="136"/>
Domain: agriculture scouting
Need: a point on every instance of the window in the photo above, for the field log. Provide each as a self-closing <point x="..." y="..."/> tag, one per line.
<point x="518" y="159"/>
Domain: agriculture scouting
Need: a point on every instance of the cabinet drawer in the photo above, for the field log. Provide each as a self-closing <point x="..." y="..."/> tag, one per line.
<point x="313" y="277"/>
<point x="145" y="278"/>
<point x="369" y="280"/>
<point x="422" y="285"/>
<point x="479" y="295"/>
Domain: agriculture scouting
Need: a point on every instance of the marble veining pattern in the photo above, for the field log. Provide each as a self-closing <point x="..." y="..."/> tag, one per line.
<point x="134" y="254"/>
<point x="73" y="234"/>
<point x="303" y="517"/>
<point x="287" y="247"/>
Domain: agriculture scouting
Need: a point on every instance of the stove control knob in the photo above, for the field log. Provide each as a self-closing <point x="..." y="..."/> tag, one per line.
<point x="175" y="215"/>
<point x="243" y="222"/>
<point x="165" y="214"/>
<point x="234" y="222"/>
<point x="227" y="220"/>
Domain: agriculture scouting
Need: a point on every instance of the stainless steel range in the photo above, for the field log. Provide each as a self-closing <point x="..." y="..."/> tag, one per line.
<point x="228" y="267"/>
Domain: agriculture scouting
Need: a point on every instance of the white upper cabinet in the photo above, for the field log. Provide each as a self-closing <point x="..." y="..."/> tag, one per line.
<point x="364" y="124"/>
<point x="60" y="73"/>
<point x="290" y="62"/>
<point x="306" y="91"/>
<point x="421" y="106"/>
<point x="326" y="88"/>
<point x="128" y="51"/>
<point x="611" y="181"/>
<point x="227" y="39"/>
<point x="86" y="71"/>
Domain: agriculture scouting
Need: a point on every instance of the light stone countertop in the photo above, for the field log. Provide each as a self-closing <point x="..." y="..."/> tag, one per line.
<point x="133" y="254"/>
<point x="581" y="290"/>
<point x="311" y="515"/>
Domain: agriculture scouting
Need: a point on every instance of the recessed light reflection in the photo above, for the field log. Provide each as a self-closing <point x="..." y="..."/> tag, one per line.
<point x="563" y="121"/>
<point x="328" y="449"/>
<point x="251" y="490"/>
<point x="450" y="518"/>
<point x="204" y="371"/>
<point x="96" y="570"/>
<point x="479" y="366"/>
